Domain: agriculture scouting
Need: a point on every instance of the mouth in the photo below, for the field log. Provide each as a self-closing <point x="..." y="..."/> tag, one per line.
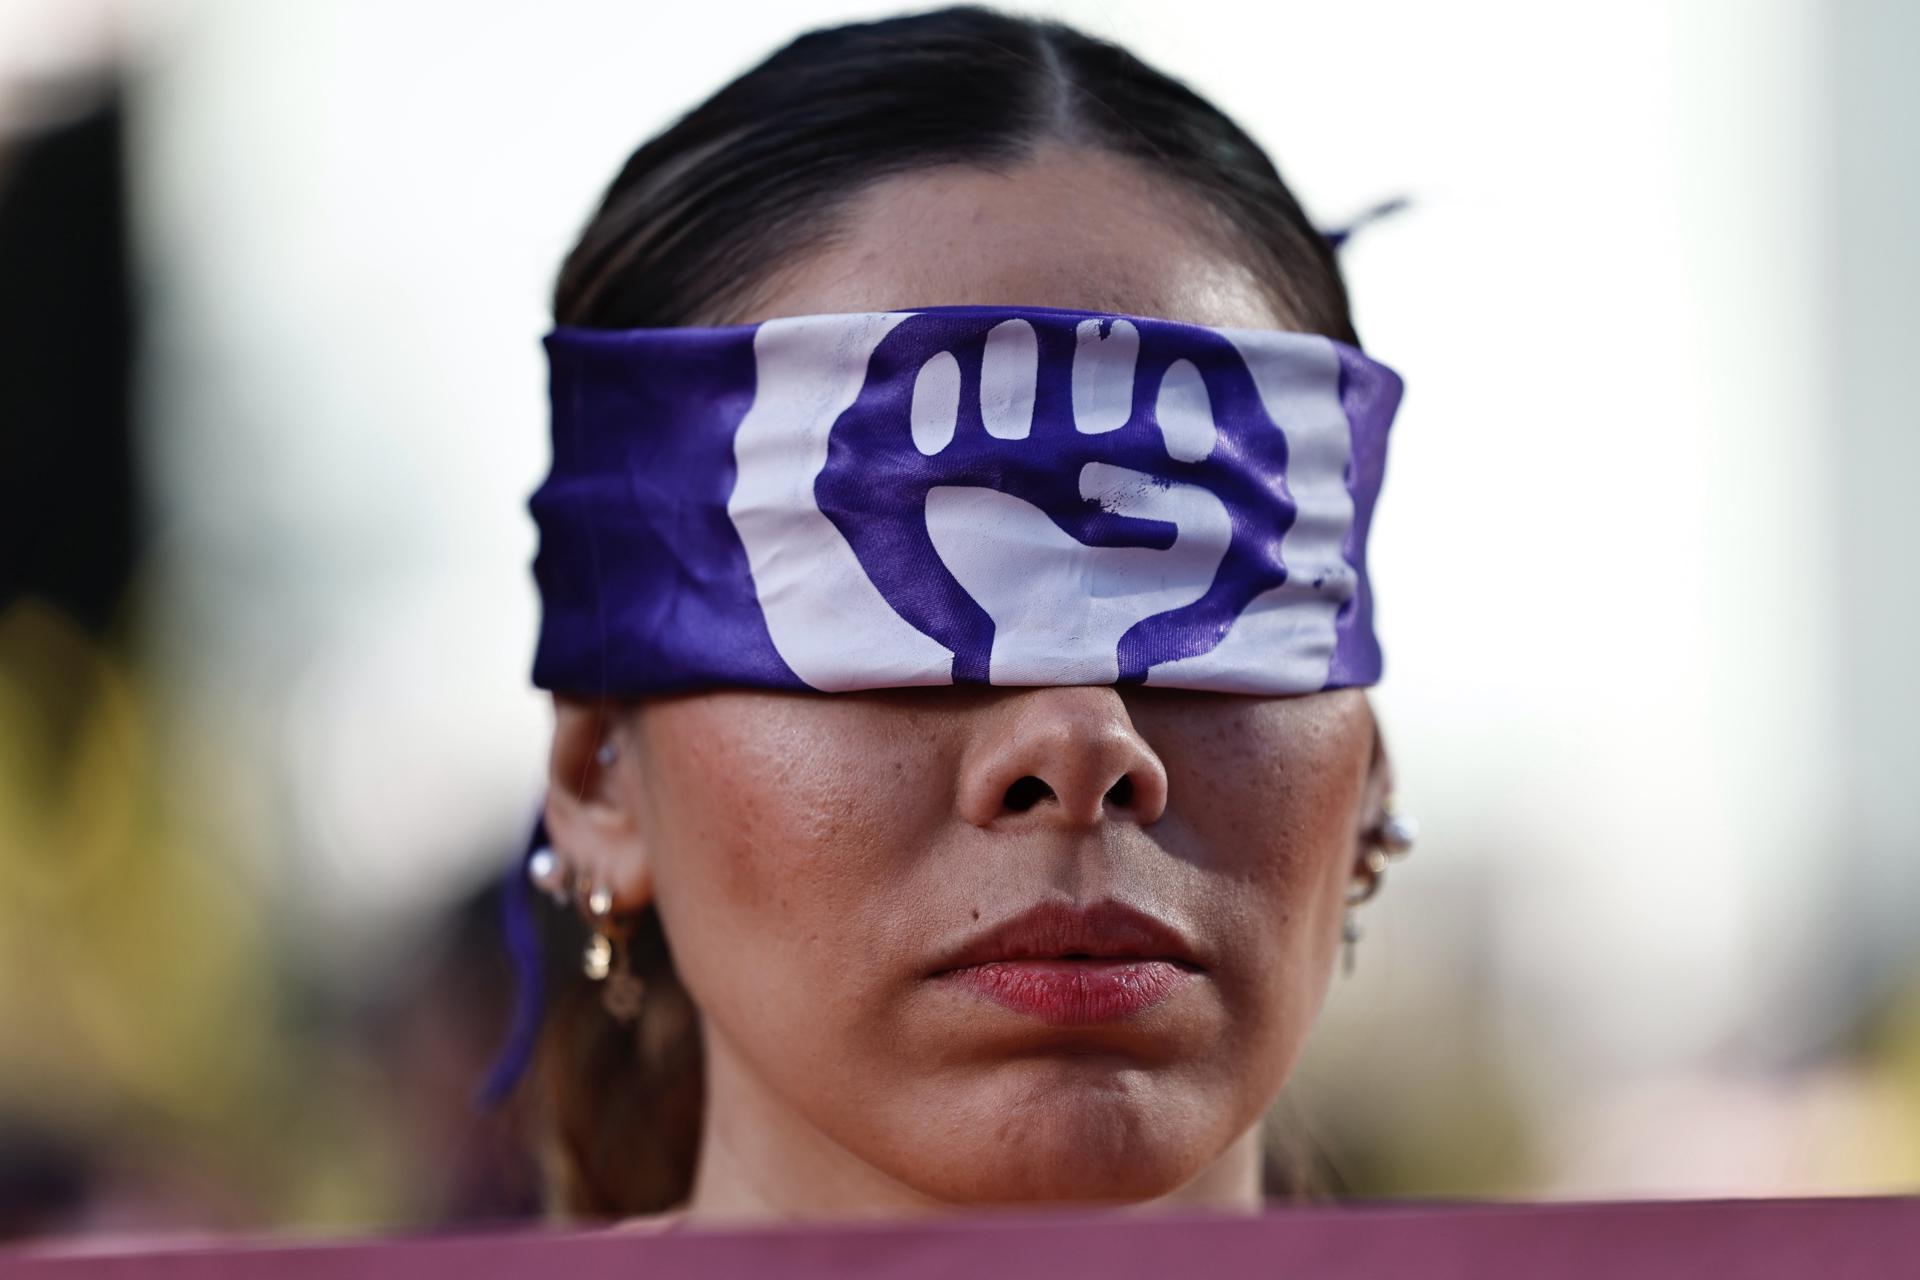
<point x="1070" y="965"/>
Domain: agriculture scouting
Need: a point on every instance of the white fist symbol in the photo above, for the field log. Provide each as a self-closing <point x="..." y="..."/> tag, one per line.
<point x="1060" y="607"/>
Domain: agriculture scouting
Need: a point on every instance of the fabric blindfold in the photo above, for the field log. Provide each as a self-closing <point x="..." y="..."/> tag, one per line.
<point x="959" y="494"/>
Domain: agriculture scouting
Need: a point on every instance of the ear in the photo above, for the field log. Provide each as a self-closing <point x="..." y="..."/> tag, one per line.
<point x="590" y="810"/>
<point x="1374" y="795"/>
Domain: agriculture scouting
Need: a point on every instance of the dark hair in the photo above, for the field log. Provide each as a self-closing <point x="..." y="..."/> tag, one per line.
<point x="751" y="178"/>
<point x="709" y="211"/>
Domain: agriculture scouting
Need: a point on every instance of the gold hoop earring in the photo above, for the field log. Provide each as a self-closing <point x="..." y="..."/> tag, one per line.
<point x="622" y="992"/>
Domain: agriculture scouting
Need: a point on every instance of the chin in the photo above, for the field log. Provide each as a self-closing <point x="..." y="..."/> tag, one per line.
<point x="1075" y="1142"/>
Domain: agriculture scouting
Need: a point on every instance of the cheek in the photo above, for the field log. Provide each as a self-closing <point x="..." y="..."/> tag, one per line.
<point x="778" y="831"/>
<point x="1275" y="789"/>
<point x="1266" y="796"/>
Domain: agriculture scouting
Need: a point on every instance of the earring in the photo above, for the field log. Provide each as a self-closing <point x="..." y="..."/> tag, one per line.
<point x="1397" y="831"/>
<point x="550" y="875"/>
<point x="1391" y="839"/>
<point x="1357" y="894"/>
<point x="606" y="753"/>
<point x="622" y="992"/>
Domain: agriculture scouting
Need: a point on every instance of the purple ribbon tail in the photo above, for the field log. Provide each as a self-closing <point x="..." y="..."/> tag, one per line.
<point x="523" y="948"/>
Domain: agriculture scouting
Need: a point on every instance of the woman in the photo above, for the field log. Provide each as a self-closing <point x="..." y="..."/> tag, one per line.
<point x="1026" y="920"/>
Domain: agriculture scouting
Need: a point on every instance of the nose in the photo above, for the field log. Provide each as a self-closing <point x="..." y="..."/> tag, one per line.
<point x="1063" y="757"/>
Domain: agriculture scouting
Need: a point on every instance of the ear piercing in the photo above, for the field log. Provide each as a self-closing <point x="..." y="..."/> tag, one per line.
<point x="550" y="876"/>
<point x="598" y="962"/>
<point x="1397" y="832"/>
<point x="1392" y="838"/>
<point x="605" y="959"/>
<point x="622" y="992"/>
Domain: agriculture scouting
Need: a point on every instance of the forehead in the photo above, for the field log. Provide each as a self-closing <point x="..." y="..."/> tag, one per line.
<point x="1081" y="229"/>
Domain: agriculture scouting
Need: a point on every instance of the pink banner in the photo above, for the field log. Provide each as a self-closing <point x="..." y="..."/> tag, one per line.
<point x="1831" y="1239"/>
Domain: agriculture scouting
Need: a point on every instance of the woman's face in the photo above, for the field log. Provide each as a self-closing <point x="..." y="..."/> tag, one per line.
<point x="999" y="944"/>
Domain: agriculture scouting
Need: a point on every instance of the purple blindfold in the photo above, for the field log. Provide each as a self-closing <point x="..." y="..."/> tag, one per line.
<point x="959" y="494"/>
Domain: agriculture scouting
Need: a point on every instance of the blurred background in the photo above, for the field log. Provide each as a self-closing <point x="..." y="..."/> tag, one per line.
<point x="272" y="279"/>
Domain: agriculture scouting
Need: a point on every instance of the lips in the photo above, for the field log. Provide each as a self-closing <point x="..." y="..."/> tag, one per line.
<point x="1074" y="966"/>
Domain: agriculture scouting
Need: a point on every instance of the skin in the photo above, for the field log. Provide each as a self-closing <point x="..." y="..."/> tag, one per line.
<point x="813" y="856"/>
